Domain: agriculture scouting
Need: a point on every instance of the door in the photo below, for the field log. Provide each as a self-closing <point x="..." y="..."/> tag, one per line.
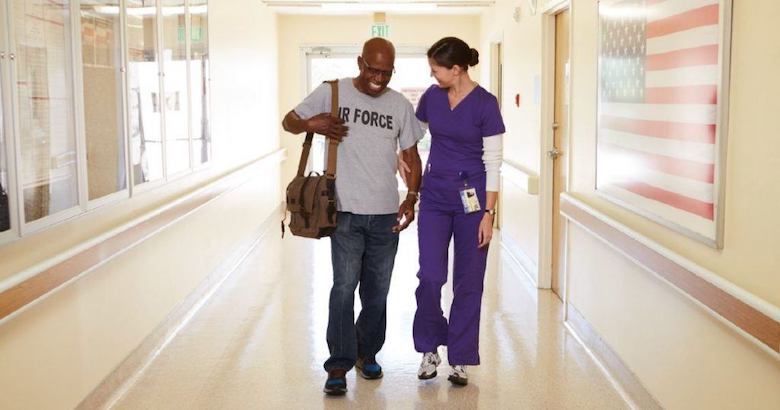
<point x="496" y="85"/>
<point x="560" y="130"/>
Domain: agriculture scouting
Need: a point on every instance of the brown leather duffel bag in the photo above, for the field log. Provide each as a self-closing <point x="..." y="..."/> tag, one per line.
<point x="311" y="199"/>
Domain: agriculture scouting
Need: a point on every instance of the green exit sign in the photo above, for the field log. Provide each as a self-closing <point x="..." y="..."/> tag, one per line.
<point x="196" y="34"/>
<point x="380" y="30"/>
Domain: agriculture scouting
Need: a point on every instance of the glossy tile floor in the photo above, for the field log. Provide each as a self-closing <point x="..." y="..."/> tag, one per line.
<point x="260" y="342"/>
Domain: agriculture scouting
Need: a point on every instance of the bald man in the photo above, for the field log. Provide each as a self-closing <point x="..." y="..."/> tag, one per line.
<point x="374" y="122"/>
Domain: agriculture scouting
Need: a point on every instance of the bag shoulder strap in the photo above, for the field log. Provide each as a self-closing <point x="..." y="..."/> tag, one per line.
<point x="332" y="144"/>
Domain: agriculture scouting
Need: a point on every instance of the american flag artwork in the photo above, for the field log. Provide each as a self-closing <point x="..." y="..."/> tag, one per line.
<point x="660" y="68"/>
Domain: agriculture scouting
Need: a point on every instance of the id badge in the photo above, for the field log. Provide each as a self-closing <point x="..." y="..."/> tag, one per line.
<point x="468" y="195"/>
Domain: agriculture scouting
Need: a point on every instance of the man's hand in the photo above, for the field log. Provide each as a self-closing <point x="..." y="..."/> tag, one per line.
<point x="327" y="125"/>
<point x="405" y="213"/>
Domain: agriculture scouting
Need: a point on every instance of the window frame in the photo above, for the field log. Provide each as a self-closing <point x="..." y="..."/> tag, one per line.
<point x="25" y="228"/>
<point x="10" y="126"/>
<point x="7" y="96"/>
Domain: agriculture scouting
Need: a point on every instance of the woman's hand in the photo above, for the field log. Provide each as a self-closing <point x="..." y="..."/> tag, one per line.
<point x="485" y="230"/>
<point x="403" y="168"/>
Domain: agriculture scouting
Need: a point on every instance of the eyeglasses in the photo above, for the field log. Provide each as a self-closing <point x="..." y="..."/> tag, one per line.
<point x="377" y="72"/>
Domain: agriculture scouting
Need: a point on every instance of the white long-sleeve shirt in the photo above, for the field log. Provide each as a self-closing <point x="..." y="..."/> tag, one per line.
<point x="492" y="156"/>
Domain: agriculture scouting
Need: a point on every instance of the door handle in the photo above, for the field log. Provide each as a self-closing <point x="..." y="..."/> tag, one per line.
<point x="554" y="153"/>
<point x="555" y="125"/>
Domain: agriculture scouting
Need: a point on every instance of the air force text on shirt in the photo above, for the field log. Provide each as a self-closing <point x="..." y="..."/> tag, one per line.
<point x="370" y="118"/>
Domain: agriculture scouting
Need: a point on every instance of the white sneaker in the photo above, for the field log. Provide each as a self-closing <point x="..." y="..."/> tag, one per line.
<point x="428" y="366"/>
<point x="458" y="375"/>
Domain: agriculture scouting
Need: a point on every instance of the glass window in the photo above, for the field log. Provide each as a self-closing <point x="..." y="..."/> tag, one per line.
<point x="177" y="139"/>
<point x="101" y="57"/>
<point x="412" y="78"/>
<point x="143" y="88"/>
<point x="5" y="219"/>
<point x="45" y="102"/>
<point x="199" y="77"/>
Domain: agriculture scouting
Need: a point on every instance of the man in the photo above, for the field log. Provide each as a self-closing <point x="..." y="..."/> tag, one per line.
<point x="373" y="122"/>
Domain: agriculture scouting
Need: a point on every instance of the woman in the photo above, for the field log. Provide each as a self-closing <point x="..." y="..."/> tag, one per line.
<point x="457" y="200"/>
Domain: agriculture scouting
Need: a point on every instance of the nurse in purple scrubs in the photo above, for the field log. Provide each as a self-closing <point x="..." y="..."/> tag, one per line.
<point x="457" y="202"/>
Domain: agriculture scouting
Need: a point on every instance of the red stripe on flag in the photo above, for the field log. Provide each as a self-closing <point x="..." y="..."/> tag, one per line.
<point x="703" y="133"/>
<point x="682" y="202"/>
<point x="703" y="16"/>
<point x="692" y="94"/>
<point x="698" y="171"/>
<point x="703" y="55"/>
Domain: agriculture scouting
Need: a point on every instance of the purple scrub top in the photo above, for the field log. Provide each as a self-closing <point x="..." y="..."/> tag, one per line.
<point x="456" y="144"/>
<point x="456" y="135"/>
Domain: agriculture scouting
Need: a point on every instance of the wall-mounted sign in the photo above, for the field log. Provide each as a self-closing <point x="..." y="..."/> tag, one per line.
<point x="380" y="30"/>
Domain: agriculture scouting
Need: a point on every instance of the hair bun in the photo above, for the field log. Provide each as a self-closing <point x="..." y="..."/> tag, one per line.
<point x="474" y="57"/>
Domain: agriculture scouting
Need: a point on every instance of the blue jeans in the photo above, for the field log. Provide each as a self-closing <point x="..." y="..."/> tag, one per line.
<point x="363" y="252"/>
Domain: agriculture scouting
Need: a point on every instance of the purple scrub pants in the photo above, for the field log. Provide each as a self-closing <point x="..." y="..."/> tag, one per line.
<point x="438" y="222"/>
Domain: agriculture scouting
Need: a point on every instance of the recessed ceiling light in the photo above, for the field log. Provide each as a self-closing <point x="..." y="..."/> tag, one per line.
<point x="391" y="7"/>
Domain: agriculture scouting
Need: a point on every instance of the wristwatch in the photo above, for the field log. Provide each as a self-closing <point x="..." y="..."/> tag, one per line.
<point x="492" y="212"/>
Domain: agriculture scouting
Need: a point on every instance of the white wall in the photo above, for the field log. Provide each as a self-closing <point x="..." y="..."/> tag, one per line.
<point x="681" y="354"/>
<point x="58" y="350"/>
<point x="244" y="80"/>
<point x="521" y="44"/>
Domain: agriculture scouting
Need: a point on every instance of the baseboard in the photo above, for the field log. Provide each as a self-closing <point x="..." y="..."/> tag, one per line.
<point x="114" y="386"/>
<point x="528" y="268"/>
<point x="621" y="377"/>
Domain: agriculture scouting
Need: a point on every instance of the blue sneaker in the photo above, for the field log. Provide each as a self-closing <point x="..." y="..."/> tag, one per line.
<point x="369" y="368"/>
<point x="336" y="385"/>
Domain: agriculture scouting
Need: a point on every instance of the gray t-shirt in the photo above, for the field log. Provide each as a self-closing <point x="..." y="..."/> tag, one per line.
<point x="366" y="164"/>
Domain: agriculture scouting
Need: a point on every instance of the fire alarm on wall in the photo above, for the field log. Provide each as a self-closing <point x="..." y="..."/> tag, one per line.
<point x="516" y="14"/>
<point x="517" y="100"/>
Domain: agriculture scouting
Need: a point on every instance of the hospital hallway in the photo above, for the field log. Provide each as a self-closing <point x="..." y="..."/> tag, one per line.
<point x="624" y="152"/>
<point x="259" y="342"/>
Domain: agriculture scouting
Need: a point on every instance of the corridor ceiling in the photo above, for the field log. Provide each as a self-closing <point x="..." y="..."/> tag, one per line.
<point x="341" y="7"/>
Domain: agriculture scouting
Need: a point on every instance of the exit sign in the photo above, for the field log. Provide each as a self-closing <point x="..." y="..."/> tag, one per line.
<point x="196" y="34"/>
<point x="380" y="30"/>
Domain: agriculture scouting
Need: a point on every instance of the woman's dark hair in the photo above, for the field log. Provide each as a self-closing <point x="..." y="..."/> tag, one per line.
<point x="451" y="51"/>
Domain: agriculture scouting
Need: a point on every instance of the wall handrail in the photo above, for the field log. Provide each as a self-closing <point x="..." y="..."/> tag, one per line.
<point x="526" y="179"/>
<point x="42" y="279"/>
<point x="751" y="316"/>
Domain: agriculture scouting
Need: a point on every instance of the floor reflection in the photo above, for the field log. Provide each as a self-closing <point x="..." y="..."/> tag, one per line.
<point x="260" y="343"/>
